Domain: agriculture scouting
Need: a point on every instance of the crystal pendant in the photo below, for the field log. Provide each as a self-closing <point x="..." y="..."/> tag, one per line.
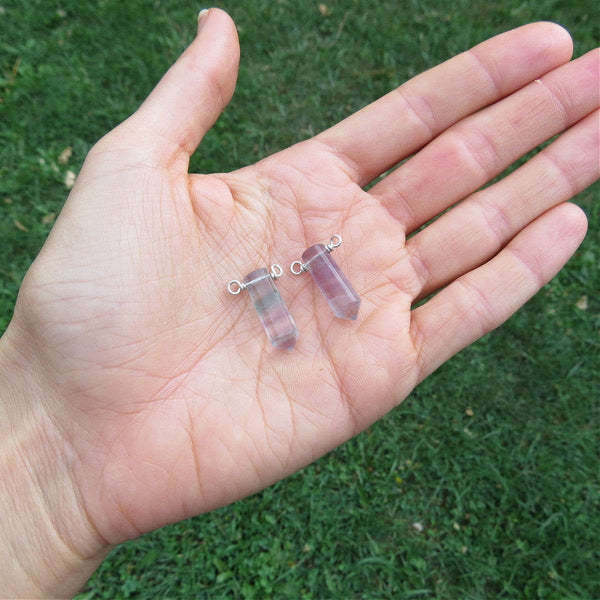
<point x="272" y="310"/>
<point x="339" y="293"/>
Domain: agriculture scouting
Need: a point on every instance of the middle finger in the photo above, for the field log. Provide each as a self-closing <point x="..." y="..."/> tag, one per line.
<point x="481" y="146"/>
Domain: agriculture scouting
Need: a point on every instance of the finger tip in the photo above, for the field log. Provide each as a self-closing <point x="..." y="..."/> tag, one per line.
<point x="556" y="36"/>
<point x="218" y="13"/>
<point x="215" y="23"/>
<point x="575" y="221"/>
<point x="566" y="228"/>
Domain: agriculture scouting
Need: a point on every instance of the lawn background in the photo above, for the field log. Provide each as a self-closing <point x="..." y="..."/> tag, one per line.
<point x="494" y="457"/>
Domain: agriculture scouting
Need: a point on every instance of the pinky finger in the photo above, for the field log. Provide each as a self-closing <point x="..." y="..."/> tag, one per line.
<point x="484" y="298"/>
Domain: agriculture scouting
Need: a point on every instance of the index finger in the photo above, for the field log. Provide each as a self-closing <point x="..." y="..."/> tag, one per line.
<point x="383" y="133"/>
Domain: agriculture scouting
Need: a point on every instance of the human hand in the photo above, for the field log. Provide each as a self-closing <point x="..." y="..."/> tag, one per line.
<point x="157" y="395"/>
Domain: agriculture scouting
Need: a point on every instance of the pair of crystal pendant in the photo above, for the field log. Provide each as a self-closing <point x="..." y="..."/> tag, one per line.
<point x="272" y="310"/>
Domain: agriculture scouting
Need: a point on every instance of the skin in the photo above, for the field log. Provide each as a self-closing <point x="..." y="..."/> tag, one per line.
<point x="137" y="392"/>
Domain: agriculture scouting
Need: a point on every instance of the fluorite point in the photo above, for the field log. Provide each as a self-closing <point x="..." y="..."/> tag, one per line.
<point x="274" y="315"/>
<point x="341" y="296"/>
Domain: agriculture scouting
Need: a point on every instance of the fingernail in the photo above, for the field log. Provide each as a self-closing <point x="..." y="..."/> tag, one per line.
<point x="202" y="17"/>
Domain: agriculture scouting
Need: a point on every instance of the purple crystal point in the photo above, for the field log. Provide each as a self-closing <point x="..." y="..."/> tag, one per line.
<point x="341" y="296"/>
<point x="274" y="315"/>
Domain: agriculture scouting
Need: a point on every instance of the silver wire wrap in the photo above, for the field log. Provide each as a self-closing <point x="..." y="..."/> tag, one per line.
<point x="298" y="267"/>
<point x="234" y="287"/>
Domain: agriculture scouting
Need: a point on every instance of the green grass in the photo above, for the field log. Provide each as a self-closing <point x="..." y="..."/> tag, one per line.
<point x="495" y="456"/>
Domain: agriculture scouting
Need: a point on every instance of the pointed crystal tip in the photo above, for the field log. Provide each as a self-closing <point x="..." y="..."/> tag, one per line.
<point x="347" y="310"/>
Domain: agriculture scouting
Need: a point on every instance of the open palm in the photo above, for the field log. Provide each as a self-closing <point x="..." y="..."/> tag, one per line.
<point x="164" y="388"/>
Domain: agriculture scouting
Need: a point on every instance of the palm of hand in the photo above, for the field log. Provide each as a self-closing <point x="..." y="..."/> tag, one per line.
<point x="170" y="397"/>
<point x="170" y="383"/>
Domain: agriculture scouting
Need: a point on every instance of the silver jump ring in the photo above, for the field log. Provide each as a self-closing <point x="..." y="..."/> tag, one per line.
<point x="297" y="267"/>
<point x="334" y="242"/>
<point x="234" y="287"/>
<point x="276" y="271"/>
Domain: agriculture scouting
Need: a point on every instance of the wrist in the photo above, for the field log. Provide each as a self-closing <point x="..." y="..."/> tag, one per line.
<point x="48" y="547"/>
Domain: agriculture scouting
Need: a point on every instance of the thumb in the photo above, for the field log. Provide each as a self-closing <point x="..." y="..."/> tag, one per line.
<point x="194" y="91"/>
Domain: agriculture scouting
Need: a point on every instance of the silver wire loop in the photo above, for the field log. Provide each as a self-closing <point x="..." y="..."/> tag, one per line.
<point x="234" y="287"/>
<point x="297" y="267"/>
<point x="276" y="271"/>
<point x="334" y="242"/>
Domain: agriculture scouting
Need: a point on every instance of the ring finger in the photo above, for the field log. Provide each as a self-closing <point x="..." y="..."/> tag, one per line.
<point x="479" y="227"/>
